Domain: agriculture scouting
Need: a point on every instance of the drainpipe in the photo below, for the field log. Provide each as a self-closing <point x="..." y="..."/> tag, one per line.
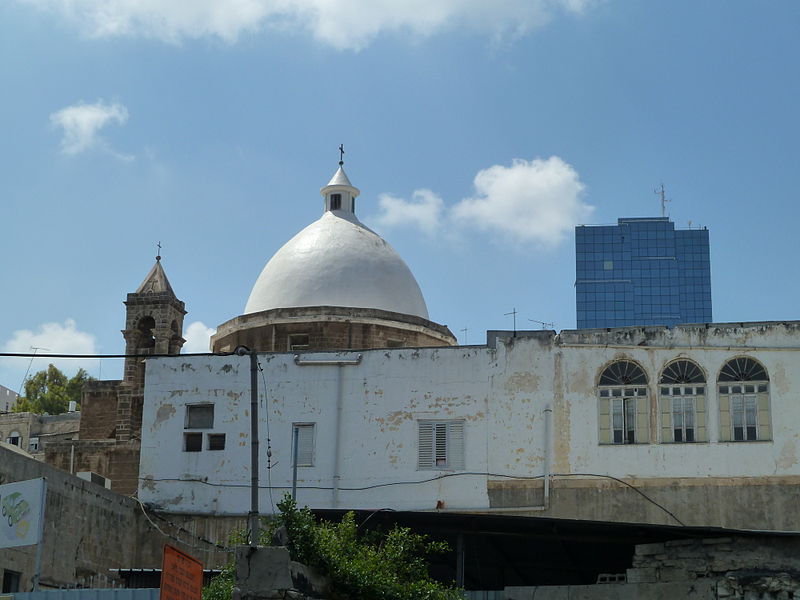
<point x="337" y="449"/>
<point x="337" y="445"/>
<point x="548" y="418"/>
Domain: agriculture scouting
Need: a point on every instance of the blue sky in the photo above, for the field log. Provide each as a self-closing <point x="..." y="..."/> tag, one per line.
<point x="478" y="132"/>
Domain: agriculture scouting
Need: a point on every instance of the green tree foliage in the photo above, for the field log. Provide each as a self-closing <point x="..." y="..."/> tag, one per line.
<point x="360" y="566"/>
<point x="50" y="391"/>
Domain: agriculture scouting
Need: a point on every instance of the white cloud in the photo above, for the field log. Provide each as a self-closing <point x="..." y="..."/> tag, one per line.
<point x="537" y="201"/>
<point x="530" y="201"/>
<point x="343" y="24"/>
<point x="198" y="338"/>
<point x="81" y="124"/>
<point x="52" y="338"/>
<point x="424" y="211"/>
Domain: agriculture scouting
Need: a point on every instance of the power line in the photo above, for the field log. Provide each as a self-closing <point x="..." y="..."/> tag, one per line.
<point x="60" y="355"/>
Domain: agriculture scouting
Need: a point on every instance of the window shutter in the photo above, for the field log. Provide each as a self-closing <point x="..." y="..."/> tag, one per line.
<point x="701" y="434"/>
<point x="440" y="444"/>
<point x="455" y="459"/>
<point x="764" y="432"/>
<point x="666" y="420"/>
<point x="604" y="421"/>
<point x="305" y="445"/>
<point x="425" y="458"/>
<point x="724" y="418"/>
<point x="642" y="420"/>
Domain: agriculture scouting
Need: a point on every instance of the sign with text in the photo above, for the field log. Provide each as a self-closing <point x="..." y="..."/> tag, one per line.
<point x="181" y="576"/>
<point x="21" y="513"/>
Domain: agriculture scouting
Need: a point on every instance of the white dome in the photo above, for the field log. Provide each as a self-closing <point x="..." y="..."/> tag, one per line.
<point x="337" y="261"/>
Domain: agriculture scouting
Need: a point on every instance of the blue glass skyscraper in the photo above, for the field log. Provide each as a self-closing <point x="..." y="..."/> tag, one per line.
<point x="641" y="272"/>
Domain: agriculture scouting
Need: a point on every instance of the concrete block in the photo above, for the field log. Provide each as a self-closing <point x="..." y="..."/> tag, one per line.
<point x="263" y="570"/>
<point x="649" y="549"/>
<point x="645" y="575"/>
<point x="719" y="540"/>
<point x="673" y="543"/>
<point x="667" y="574"/>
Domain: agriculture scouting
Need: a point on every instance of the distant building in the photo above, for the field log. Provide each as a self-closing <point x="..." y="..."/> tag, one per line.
<point x="32" y="432"/>
<point x="7" y="399"/>
<point x="641" y="271"/>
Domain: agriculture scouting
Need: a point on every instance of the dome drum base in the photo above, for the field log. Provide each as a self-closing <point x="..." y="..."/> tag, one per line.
<point x="328" y="328"/>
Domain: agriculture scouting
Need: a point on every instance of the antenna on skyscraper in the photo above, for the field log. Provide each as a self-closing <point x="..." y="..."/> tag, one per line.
<point x="663" y="195"/>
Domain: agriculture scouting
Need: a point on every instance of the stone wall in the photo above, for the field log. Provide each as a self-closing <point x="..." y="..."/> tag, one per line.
<point x="733" y="502"/>
<point x="267" y="573"/>
<point x="737" y="568"/>
<point x="90" y="530"/>
<point x="329" y="328"/>
<point x="99" y="410"/>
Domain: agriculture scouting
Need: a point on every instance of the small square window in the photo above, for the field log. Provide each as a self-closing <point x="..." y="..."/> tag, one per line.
<point x="216" y="441"/>
<point x="199" y="416"/>
<point x="608" y="265"/>
<point x="192" y="442"/>
<point x="298" y="341"/>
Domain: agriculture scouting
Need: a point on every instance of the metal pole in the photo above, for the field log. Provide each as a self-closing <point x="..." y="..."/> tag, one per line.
<point x="253" y="517"/>
<point x="460" y="551"/>
<point x="295" y="435"/>
<point x="37" y="570"/>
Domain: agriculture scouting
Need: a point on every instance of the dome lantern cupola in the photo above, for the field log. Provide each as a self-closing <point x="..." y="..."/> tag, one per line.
<point x="340" y="194"/>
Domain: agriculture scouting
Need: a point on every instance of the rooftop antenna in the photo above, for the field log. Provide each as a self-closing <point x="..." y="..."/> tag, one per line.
<point x="28" y="370"/>
<point x="514" y="315"/>
<point x="158" y="254"/>
<point x="544" y="324"/>
<point x="663" y="195"/>
<point x="341" y="155"/>
<point x="465" y="335"/>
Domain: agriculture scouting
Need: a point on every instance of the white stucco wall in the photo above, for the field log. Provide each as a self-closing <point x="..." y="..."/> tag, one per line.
<point x="382" y="399"/>
<point x="501" y="394"/>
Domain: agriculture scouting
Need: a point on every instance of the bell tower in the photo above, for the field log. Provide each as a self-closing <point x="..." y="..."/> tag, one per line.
<point x="153" y="325"/>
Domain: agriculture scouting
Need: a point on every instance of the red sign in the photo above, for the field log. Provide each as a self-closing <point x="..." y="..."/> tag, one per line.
<point x="181" y="576"/>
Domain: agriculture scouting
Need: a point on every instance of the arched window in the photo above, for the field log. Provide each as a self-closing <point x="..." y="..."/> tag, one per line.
<point x="743" y="387"/>
<point x="145" y="327"/>
<point x="622" y="404"/>
<point x="682" y="391"/>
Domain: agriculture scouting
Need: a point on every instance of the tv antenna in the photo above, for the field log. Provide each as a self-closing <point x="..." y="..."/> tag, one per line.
<point x="30" y="362"/>
<point x="513" y="313"/>
<point x="465" y="335"/>
<point x="544" y="324"/>
<point x="661" y="193"/>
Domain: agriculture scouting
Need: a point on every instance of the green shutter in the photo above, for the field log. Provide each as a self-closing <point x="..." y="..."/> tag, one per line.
<point x="725" y="418"/>
<point x="604" y="420"/>
<point x="700" y="431"/>
<point x="666" y="419"/>
<point x="642" y="420"/>
<point x="764" y="430"/>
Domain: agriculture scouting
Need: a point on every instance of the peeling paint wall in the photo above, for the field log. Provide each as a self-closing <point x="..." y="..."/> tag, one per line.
<point x="501" y="394"/>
